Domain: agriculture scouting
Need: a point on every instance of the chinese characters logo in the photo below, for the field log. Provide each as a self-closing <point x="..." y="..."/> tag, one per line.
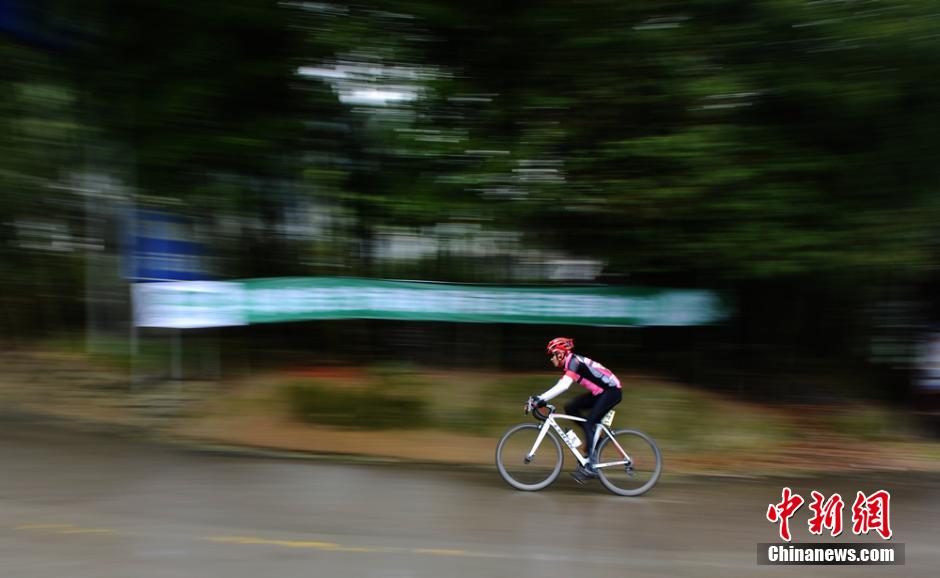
<point x="869" y="513"/>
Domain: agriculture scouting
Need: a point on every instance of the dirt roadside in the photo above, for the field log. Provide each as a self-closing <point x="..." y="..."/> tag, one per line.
<point x="213" y="415"/>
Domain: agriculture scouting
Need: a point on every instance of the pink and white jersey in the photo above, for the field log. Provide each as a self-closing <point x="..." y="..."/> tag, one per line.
<point x="589" y="373"/>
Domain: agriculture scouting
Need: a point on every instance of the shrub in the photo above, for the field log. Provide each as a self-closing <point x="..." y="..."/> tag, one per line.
<point x="318" y="404"/>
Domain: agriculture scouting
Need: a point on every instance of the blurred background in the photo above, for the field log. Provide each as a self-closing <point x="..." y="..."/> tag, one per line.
<point x="779" y="156"/>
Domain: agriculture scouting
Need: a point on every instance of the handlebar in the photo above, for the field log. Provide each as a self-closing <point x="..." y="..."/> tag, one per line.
<point x="537" y="413"/>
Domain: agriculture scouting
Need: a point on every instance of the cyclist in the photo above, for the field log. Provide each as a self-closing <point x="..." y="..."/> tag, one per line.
<point x="603" y="393"/>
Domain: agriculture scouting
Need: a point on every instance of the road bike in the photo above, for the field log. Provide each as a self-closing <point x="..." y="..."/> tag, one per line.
<point x="529" y="456"/>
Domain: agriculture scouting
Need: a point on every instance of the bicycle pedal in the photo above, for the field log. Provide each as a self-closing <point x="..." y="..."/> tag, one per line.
<point x="581" y="476"/>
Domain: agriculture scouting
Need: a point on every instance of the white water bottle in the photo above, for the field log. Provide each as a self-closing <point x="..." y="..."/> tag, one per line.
<point x="573" y="439"/>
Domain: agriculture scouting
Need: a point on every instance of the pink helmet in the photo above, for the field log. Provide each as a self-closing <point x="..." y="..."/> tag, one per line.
<point x="565" y="344"/>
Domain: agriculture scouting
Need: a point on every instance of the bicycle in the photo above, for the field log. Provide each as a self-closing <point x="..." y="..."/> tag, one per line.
<point x="629" y="462"/>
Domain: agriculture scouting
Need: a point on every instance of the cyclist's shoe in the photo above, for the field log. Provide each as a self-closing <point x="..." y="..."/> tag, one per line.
<point x="583" y="474"/>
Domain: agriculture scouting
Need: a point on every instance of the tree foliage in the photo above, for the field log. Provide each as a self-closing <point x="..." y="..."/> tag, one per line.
<point x="711" y="143"/>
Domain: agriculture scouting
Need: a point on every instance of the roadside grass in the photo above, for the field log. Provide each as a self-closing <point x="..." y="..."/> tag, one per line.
<point x="317" y="401"/>
<point x="870" y="423"/>
<point x="112" y="353"/>
<point x="680" y="418"/>
<point x="687" y="422"/>
<point x="683" y="419"/>
<point x="154" y="355"/>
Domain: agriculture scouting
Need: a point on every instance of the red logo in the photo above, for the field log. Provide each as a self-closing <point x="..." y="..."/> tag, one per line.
<point x="868" y="513"/>
<point x="872" y="513"/>
<point x="783" y="511"/>
<point x="826" y="514"/>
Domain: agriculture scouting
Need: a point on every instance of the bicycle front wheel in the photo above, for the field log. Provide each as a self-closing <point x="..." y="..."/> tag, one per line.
<point x="644" y="462"/>
<point x="522" y="470"/>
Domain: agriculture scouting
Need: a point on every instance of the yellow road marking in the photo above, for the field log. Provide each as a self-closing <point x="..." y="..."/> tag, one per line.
<point x="253" y="540"/>
<point x="440" y="552"/>
<point x="359" y="549"/>
<point x="263" y="541"/>
<point x="333" y="547"/>
<point x="329" y="546"/>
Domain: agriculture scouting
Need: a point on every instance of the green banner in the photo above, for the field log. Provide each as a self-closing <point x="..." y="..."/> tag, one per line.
<point x="209" y="304"/>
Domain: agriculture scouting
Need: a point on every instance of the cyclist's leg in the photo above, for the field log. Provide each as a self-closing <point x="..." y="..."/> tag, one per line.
<point x="576" y="406"/>
<point x="604" y="403"/>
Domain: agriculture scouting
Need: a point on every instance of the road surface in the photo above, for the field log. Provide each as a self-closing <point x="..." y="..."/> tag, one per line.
<point x="91" y="506"/>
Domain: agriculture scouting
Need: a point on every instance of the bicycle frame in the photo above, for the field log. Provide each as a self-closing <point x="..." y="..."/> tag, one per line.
<point x="601" y="428"/>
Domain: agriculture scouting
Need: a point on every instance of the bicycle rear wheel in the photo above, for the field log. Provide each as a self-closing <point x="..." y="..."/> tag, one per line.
<point x="513" y="463"/>
<point x="636" y="477"/>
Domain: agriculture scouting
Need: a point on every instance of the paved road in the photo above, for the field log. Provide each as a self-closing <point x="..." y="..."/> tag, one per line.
<point x="81" y="505"/>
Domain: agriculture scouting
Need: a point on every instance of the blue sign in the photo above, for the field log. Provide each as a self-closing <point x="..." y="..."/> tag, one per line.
<point x="161" y="248"/>
<point x="17" y="18"/>
<point x="31" y="22"/>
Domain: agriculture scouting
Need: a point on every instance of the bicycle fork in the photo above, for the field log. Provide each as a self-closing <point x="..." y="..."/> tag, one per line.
<point x="543" y="431"/>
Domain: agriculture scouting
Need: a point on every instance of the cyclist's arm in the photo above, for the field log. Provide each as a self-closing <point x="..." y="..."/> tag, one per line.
<point x="559" y="388"/>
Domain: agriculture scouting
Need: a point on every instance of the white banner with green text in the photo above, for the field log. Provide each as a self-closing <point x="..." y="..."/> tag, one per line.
<point x="190" y="304"/>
